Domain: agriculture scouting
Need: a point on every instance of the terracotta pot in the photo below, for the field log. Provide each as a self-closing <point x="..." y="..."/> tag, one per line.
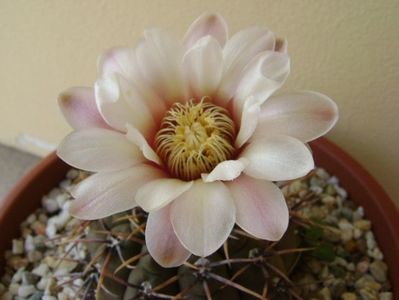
<point x="362" y="188"/>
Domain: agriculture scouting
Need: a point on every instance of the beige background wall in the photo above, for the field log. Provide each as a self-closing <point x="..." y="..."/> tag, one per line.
<point x="345" y="49"/>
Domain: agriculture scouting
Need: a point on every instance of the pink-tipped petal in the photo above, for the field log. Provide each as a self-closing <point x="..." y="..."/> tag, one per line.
<point x="237" y="53"/>
<point x="119" y="104"/>
<point x="159" y="58"/>
<point x="108" y="193"/>
<point x="160" y="192"/>
<point x="226" y="170"/>
<point x="249" y="121"/>
<point x="281" y="45"/>
<point x="261" y="207"/>
<point x="262" y="77"/>
<point x="203" y="65"/>
<point x="138" y="139"/>
<point x="207" y="24"/>
<point x="78" y="106"/>
<point x="161" y="241"/>
<point x="97" y="149"/>
<point x="303" y="115"/>
<point x="277" y="157"/>
<point x="203" y="217"/>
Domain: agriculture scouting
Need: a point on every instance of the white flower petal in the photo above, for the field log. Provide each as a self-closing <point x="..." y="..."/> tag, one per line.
<point x="161" y="241"/>
<point x="226" y="170"/>
<point x="262" y="77"/>
<point x="138" y="139"/>
<point x="303" y="115"/>
<point x="97" y="149"/>
<point x="159" y="58"/>
<point x="160" y="192"/>
<point x="120" y="61"/>
<point x="107" y="193"/>
<point x="203" y="64"/>
<point x="277" y="157"/>
<point x="78" y="106"/>
<point x="123" y="63"/>
<point x="120" y="104"/>
<point x="203" y="217"/>
<point x="207" y="24"/>
<point x="238" y="52"/>
<point x="261" y="209"/>
<point x="249" y="121"/>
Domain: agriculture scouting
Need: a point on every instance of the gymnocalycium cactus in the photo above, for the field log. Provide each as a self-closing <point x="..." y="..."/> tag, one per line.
<point x="120" y="267"/>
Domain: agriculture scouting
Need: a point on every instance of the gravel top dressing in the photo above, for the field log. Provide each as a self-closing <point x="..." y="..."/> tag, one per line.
<point x="346" y="264"/>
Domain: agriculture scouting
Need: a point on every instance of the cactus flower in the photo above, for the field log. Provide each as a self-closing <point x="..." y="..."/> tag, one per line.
<point x="190" y="130"/>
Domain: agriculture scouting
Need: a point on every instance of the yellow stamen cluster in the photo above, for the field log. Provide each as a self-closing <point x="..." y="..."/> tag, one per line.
<point x="195" y="137"/>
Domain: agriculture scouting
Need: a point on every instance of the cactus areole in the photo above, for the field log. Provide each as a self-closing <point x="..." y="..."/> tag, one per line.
<point x="190" y="130"/>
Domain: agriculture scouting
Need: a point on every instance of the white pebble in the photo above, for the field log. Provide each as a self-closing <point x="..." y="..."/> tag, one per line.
<point x="322" y="173"/>
<point x="50" y="204"/>
<point x="17" y="277"/>
<point x="13" y="288"/>
<point x="78" y="282"/>
<point x="42" y="270"/>
<point x="54" y="192"/>
<point x="341" y="192"/>
<point x="72" y="174"/>
<point x="26" y="290"/>
<point x="34" y="256"/>
<point x="346" y="235"/>
<point x="328" y="200"/>
<point x="360" y="211"/>
<point x="386" y="296"/>
<point x="363" y="225"/>
<point x="17" y="246"/>
<point x="316" y="189"/>
<point x="31" y="218"/>
<point x="333" y="180"/>
<point x="363" y="267"/>
<point x="49" y="287"/>
<point x="51" y="230"/>
<point x="370" y="240"/>
<point x="61" y="199"/>
<point x="62" y="296"/>
<point x="41" y="285"/>
<point x="29" y="243"/>
<point x="69" y="291"/>
<point x="376" y="254"/>
<point x="59" y="221"/>
<point x="65" y="184"/>
<point x="344" y="224"/>
<point x="357" y="233"/>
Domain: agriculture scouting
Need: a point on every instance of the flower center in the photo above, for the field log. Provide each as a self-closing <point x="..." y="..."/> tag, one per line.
<point x="195" y="137"/>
